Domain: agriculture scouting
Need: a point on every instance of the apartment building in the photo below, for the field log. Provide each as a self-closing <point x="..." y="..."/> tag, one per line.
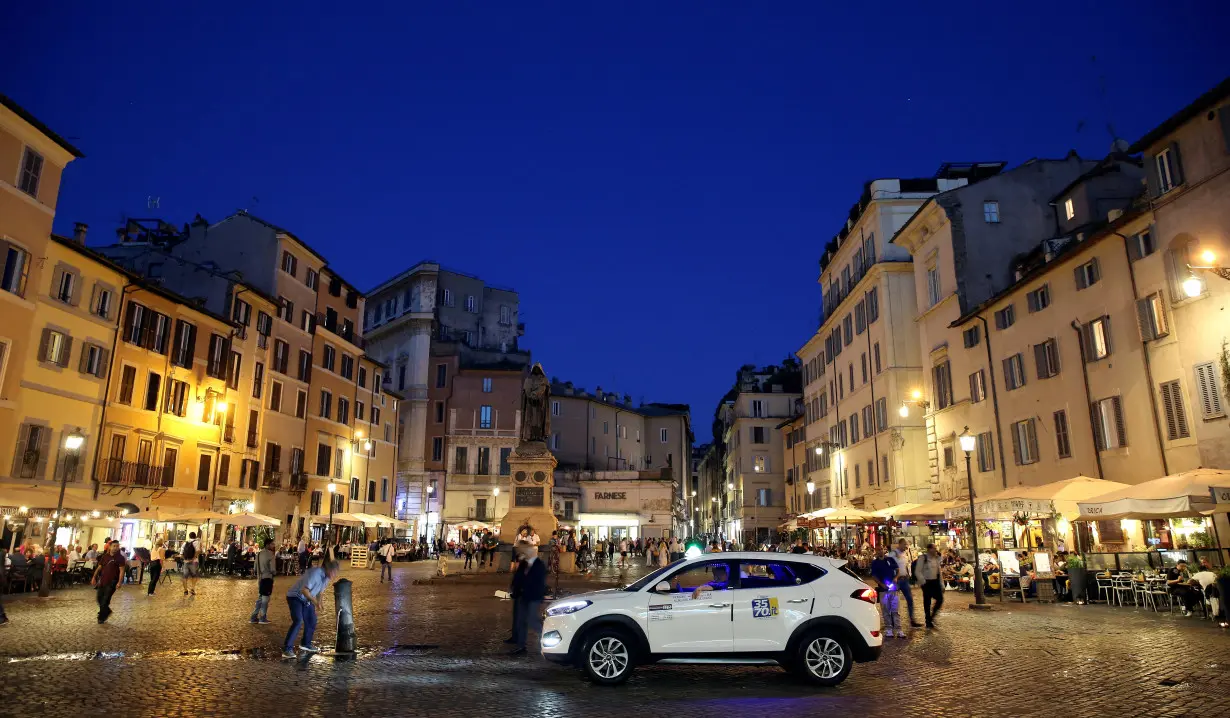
<point x="865" y="355"/>
<point x="711" y="484"/>
<point x="58" y="305"/>
<point x="794" y="457"/>
<point x="602" y="431"/>
<point x="1006" y="219"/>
<point x="753" y="503"/>
<point x="324" y="416"/>
<point x="475" y="423"/>
<point x="424" y="312"/>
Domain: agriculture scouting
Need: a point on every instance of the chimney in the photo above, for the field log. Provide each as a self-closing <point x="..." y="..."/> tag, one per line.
<point x="79" y="230"/>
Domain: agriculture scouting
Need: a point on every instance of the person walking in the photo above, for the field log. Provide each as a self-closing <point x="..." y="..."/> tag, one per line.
<point x="386" y="560"/>
<point x="157" y="556"/>
<point x="905" y="577"/>
<point x="107" y="577"/>
<point x="303" y="601"/>
<point x="884" y="571"/>
<point x="192" y="564"/>
<point x="530" y="586"/>
<point x="305" y="556"/>
<point x="927" y="571"/>
<point x="373" y="549"/>
<point x="623" y="552"/>
<point x="263" y="568"/>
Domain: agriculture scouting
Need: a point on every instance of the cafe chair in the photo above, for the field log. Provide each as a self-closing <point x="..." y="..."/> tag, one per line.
<point x="1159" y="594"/>
<point x="1122" y="587"/>
<point x="1105" y="589"/>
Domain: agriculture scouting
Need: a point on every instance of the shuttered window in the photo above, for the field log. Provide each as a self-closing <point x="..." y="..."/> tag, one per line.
<point x="1151" y="315"/>
<point x="1014" y="372"/>
<point x="1025" y="442"/>
<point x="1046" y="357"/>
<point x="986" y="452"/>
<point x="1172" y="408"/>
<point x="1088" y="274"/>
<point x="977" y="386"/>
<point x="942" y="375"/>
<point x="1109" y="428"/>
<point x="1096" y="337"/>
<point x="1207" y="389"/>
<point x="1063" y="445"/>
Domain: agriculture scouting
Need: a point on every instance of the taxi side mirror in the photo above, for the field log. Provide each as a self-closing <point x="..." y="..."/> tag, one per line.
<point x="662" y="587"/>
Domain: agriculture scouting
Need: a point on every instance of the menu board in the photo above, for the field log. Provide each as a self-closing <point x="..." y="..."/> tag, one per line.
<point x="1042" y="565"/>
<point x="1008" y="564"/>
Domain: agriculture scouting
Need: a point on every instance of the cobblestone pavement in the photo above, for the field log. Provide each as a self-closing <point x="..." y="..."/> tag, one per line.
<point x="435" y="648"/>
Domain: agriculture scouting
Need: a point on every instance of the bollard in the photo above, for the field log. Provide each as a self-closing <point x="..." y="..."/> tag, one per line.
<point x="346" y="635"/>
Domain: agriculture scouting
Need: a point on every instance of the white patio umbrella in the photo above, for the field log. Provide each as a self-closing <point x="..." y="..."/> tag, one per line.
<point x="248" y="519"/>
<point x="1184" y="495"/>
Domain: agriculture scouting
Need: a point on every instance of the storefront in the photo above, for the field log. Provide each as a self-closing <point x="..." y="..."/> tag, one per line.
<point x="620" y="504"/>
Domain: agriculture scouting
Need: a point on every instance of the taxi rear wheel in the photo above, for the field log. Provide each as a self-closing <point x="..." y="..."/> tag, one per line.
<point x="823" y="658"/>
<point x="606" y="656"/>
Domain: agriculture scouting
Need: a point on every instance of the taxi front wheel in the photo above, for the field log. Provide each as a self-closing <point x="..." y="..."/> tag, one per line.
<point x="606" y="656"/>
<point x="823" y="658"/>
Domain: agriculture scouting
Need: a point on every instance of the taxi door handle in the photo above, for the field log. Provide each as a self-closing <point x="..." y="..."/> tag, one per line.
<point x="719" y="605"/>
<point x="798" y="600"/>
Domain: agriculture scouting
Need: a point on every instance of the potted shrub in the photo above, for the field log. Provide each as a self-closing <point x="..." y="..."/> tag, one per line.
<point x="1077" y="577"/>
<point x="1223" y="593"/>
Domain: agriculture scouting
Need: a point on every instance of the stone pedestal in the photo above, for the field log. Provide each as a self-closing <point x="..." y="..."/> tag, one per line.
<point x="533" y="475"/>
<point x="568" y="562"/>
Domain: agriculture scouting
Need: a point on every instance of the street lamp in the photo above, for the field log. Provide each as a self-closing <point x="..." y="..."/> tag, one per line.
<point x="1192" y="286"/>
<point x="916" y="398"/>
<point x="72" y="444"/>
<point x="968" y="442"/>
<point x="811" y="487"/>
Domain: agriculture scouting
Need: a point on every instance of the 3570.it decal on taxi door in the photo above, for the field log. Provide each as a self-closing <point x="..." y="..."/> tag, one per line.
<point x="764" y="607"/>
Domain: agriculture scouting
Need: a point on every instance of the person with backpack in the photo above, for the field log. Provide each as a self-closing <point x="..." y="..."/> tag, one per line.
<point x="192" y="564"/>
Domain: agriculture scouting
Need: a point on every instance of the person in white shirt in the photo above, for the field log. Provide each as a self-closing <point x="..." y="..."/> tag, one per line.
<point x="927" y="571"/>
<point x="387" y="552"/>
<point x="904" y="558"/>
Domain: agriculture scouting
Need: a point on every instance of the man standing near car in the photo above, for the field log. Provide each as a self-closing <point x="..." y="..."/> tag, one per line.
<point x="530" y="587"/>
<point x="905" y="576"/>
<point x="927" y="571"/>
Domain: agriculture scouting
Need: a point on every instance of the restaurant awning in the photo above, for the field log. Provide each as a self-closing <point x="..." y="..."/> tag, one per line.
<point x="1184" y="495"/>
<point x="386" y="520"/>
<point x="43" y="499"/>
<point x="843" y="515"/>
<point x="201" y="517"/>
<point x="471" y="525"/>
<point x="248" y="519"/>
<point x="157" y="515"/>
<point x="1061" y="496"/>
<point x="339" y="520"/>
<point x="917" y="512"/>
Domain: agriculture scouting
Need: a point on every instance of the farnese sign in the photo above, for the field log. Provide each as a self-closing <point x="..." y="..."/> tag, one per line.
<point x="610" y="495"/>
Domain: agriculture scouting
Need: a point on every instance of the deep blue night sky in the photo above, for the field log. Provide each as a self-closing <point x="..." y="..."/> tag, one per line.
<point x="657" y="179"/>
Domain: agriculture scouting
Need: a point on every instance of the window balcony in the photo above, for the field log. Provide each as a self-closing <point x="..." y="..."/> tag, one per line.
<point x="131" y="473"/>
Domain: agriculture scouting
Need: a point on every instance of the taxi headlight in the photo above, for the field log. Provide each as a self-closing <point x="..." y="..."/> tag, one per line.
<point x="551" y="639"/>
<point x="563" y="609"/>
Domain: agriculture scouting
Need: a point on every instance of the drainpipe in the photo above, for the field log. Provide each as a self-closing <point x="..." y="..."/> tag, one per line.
<point x="102" y="420"/>
<point x="1144" y="350"/>
<point x="999" y="433"/>
<point x="1080" y="342"/>
<point x="875" y="434"/>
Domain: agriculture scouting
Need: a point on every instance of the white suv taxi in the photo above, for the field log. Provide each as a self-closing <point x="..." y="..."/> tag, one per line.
<point x="810" y="614"/>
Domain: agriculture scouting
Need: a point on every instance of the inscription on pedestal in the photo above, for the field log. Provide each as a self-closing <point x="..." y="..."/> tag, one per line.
<point x="529" y="496"/>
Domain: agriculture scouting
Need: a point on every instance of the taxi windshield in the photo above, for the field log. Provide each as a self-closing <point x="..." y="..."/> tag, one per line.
<point x="654" y="577"/>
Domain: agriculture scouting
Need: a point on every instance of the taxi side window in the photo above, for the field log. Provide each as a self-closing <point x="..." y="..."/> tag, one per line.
<point x="715" y="575"/>
<point x="768" y="574"/>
